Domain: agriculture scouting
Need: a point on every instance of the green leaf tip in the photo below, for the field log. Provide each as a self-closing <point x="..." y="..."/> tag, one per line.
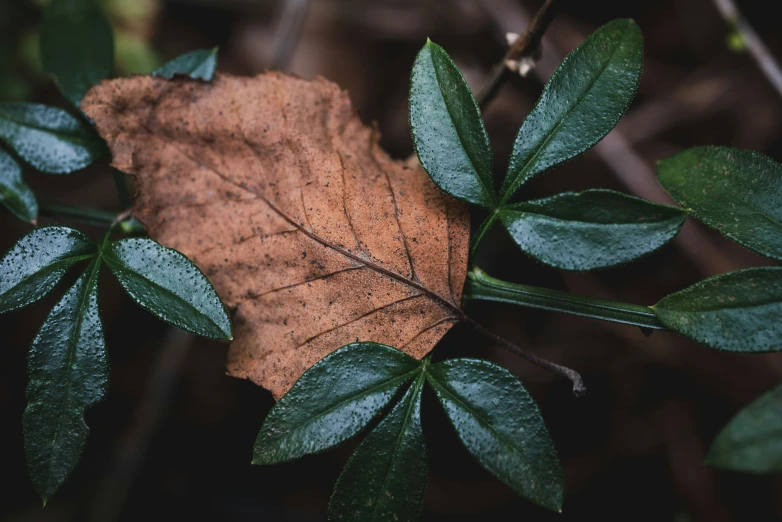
<point x="197" y="65"/>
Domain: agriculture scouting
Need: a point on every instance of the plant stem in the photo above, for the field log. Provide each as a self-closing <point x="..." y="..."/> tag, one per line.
<point x="482" y="231"/>
<point x="526" y="45"/>
<point x="480" y="286"/>
<point x="85" y="215"/>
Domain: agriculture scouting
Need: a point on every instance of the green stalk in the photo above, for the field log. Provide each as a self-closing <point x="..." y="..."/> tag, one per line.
<point x="481" y="286"/>
<point x="85" y="215"/>
<point x="483" y="230"/>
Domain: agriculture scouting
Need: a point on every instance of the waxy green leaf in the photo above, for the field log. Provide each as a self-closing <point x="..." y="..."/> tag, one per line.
<point x="500" y="425"/>
<point x="385" y="478"/>
<point x="738" y="192"/>
<point x="752" y="440"/>
<point x="77" y="46"/>
<point x="15" y="195"/>
<point x="36" y="263"/>
<point x="49" y="139"/>
<point x="738" y="311"/>
<point x="198" y="65"/>
<point x="333" y="401"/>
<point x="448" y="133"/>
<point x="68" y="373"/>
<point x="169" y="285"/>
<point x="591" y="229"/>
<point x="581" y="103"/>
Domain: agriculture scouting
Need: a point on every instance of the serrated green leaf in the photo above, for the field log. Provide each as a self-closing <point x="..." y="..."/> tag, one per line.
<point x="68" y="374"/>
<point x="500" y="425"/>
<point x="333" y="401"/>
<point x="15" y="195"/>
<point x="167" y="284"/>
<point x="752" y="440"/>
<point x="77" y="46"/>
<point x="584" y="99"/>
<point x="735" y="191"/>
<point x="448" y="132"/>
<point x="385" y="478"/>
<point x="738" y="311"/>
<point x="49" y="139"/>
<point x="36" y="263"/>
<point x="198" y="65"/>
<point x="591" y="229"/>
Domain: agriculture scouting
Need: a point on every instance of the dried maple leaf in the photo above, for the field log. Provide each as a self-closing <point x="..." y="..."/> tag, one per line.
<point x="307" y="229"/>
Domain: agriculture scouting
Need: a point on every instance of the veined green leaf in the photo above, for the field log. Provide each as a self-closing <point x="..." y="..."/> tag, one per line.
<point x="167" y="284"/>
<point x="738" y="311"/>
<point x="448" y="133"/>
<point x="500" y="425"/>
<point x="68" y="373"/>
<point x="15" y="195"/>
<point x="738" y="192"/>
<point x="385" y="478"/>
<point x="581" y="103"/>
<point x="49" y="139"/>
<point x="37" y="262"/>
<point x="591" y="229"/>
<point x="77" y="46"/>
<point x="332" y="401"/>
<point x="198" y="65"/>
<point x="752" y="440"/>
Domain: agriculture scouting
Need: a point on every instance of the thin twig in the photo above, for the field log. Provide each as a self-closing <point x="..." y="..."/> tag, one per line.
<point x="757" y="49"/>
<point x="525" y="46"/>
<point x="292" y="18"/>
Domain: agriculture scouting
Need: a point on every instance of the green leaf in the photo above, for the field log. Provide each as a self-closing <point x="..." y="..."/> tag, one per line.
<point x="500" y="425"/>
<point x="167" y="284"/>
<point x="15" y="195"/>
<point x="49" y="139"/>
<point x="581" y="103"/>
<point x="77" y="46"/>
<point x="591" y="229"/>
<point x="752" y="440"/>
<point x="448" y="133"/>
<point x="36" y="263"/>
<point x="738" y="192"/>
<point x="385" y="478"/>
<point x="738" y="311"/>
<point x="333" y="401"/>
<point x="198" y="65"/>
<point x="68" y="374"/>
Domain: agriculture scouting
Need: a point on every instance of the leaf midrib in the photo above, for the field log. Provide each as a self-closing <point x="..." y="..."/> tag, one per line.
<point x="56" y="132"/>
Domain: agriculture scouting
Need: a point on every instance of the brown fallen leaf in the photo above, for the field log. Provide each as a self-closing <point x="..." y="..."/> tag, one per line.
<point x="307" y="229"/>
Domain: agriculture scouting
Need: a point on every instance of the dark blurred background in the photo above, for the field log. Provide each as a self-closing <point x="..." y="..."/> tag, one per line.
<point x="173" y="438"/>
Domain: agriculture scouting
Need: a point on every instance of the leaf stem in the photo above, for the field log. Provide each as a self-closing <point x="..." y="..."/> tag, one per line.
<point x="86" y="215"/>
<point x="481" y="286"/>
<point x="483" y="230"/>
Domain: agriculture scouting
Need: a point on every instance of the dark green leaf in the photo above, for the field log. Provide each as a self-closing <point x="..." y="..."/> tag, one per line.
<point x="198" y="65"/>
<point x="49" y="139"/>
<point x="448" y="132"/>
<point x="738" y="192"/>
<point x="752" y="440"/>
<point x="37" y="262"/>
<point x="169" y="285"/>
<point x="332" y="401"/>
<point x="77" y="46"/>
<point x="581" y="103"/>
<point x="500" y="425"/>
<point x="591" y="229"/>
<point x="738" y="311"/>
<point x="385" y="478"/>
<point x="68" y="373"/>
<point x="15" y="195"/>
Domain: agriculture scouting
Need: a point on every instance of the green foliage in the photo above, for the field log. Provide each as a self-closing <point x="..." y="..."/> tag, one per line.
<point x="591" y="229"/>
<point x="198" y="65"/>
<point x="15" y="195"/>
<point x="68" y="373"/>
<point x="735" y="191"/>
<point x="37" y="262"/>
<point x="168" y="284"/>
<point x="751" y="441"/>
<point x="77" y="46"/>
<point x="738" y="311"/>
<point x="49" y="139"/>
